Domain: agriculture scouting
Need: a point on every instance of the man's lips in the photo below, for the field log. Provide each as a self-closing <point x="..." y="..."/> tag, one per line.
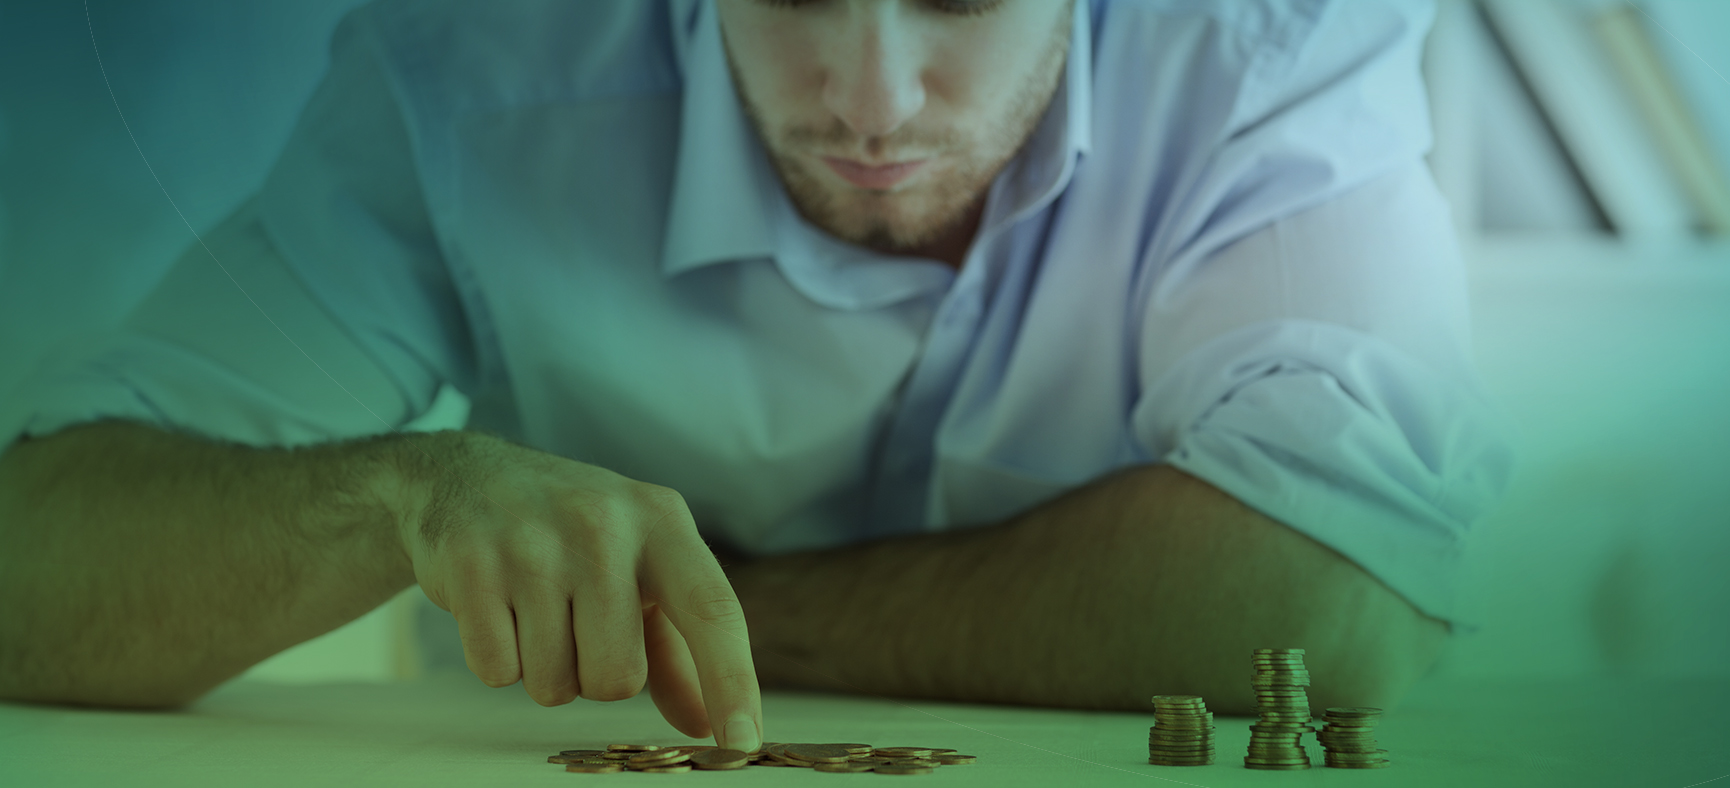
<point x="866" y="176"/>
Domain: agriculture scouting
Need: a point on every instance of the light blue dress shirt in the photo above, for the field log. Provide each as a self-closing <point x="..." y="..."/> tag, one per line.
<point x="1221" y="250"/>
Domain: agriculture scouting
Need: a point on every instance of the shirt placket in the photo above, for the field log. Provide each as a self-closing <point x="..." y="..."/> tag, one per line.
<point x="903" y="475"/>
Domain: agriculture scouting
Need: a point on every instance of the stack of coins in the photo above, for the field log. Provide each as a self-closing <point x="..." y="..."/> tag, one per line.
<point x="818" y="757"/>
<point x="1182" y="732"/>
<point x="1348" y="738"/>
<point x="1276" y="740"/>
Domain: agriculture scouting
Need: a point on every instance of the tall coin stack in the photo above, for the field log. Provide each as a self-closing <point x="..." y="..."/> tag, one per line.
<point x="1348" y="738"/>
<point x="1182" y="732"/>
<point x="1276" y="740"/>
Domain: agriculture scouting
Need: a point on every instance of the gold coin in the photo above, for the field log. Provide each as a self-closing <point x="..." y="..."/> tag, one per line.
<point x="594" y="768"/>
<point x="893" y="768"/>
<point x="855" y="749"/>
<point x="902" y="752"/>
<point x="719" y="759"/>
<point x="1382" y="764"/>
<point x="1356" y="755"/>
<point x="677" y="769"/>
<point x="1272" y="767"/>
<point x="843" y="767"/>
<point x="657" y="758"/>
<point x="956" y="759"/>
<point x="1355" y="711"/>
<point x="817" y="753"/>
<point x="583" y="753"/>
<point x="633" y="747"/>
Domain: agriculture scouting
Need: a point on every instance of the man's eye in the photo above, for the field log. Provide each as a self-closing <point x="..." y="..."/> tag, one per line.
<point x="959" y="7"/>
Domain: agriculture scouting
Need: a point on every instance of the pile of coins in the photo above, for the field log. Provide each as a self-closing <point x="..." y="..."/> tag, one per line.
<point x="1348" y="738"/>
<point x="817" y="757"/>
<point x="1182" y="732"/>
<point x="1276" y="740"/>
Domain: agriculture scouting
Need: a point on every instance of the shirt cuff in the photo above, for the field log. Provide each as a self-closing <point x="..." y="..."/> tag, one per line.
<point x="1348" y="440"/>
<point x="130" y="376"/>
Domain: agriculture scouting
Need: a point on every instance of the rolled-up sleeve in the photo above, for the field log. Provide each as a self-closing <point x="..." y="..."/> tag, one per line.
<point x="320" y="310"/>
<point x="1308" y="348"/>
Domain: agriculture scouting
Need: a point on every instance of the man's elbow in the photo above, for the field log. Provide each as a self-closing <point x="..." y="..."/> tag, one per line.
<point x="1373" y="654"/>
<point x="71" y="687"/>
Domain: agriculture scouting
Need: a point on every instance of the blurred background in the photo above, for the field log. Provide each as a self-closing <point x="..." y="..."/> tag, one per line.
<point x="1583" y="146"/>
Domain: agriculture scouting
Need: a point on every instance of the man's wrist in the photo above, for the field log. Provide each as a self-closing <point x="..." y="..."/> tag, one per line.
<point x="409" y="472"/>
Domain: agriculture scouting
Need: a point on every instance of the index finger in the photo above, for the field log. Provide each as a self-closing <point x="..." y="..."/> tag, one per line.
<point x="694" y="594"/>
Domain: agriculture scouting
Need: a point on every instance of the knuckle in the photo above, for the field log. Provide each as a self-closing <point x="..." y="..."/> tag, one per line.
<point x="662" y="503"/>
<point x="554" y="694"/>
<point x="732" y="680"/>
<point x="622" y="679"/>
<point x="715" y="604"/>
<point x="620" y="689"/>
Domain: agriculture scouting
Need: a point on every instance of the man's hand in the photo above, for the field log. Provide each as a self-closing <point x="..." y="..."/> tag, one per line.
<point x="579" y="581"/>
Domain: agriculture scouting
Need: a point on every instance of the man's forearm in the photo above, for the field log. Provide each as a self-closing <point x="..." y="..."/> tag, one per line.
<point x="1147" y="582"/>
<point x="142" y="568"/>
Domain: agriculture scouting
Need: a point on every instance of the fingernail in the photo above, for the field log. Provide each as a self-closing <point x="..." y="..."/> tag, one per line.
<point x="742" y="733"/>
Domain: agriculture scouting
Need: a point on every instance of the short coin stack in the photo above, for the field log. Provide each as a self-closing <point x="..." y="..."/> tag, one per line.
<point x="841" y="758"/>
<point x="1182" y="732"/>
<point x="1348" y="738"/>
<point x="1276" y="740"/>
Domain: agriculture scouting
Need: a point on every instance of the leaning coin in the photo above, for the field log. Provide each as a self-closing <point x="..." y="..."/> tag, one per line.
<point x="855" y="749"/>
<point x="657" y="758"/>
<point x="913" y="762"/>
<point x="1382" y="764"/>
<point x="633" y="747"/>
<point x="582" y="753"/>
<point x="720" y="759"/>
<point x="896" y="768"/>
<point x="674" y="769"/>
<point x="817" y="753"/>
<point x="844" y="767"/>
<point x="594" y="768"/>
<point x="903" y="752"/>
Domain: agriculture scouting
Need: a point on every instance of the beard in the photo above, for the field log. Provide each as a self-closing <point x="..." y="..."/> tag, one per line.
<point x="903" y="222"/>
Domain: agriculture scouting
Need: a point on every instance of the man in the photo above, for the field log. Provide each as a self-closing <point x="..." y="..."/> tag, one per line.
<point x="1021" y="351"/>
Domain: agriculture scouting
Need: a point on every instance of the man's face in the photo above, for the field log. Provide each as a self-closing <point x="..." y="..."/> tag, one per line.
<point x="888" y="119"/>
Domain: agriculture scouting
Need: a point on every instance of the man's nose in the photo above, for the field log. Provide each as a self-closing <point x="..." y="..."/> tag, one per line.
<point x="874" y="82"/>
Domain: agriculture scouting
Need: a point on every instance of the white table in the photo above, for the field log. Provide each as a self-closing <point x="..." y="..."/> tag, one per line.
<point x="452" y="730"/>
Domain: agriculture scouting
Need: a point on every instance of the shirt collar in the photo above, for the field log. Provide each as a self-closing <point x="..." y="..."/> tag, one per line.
<point x="725" y="191"/>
